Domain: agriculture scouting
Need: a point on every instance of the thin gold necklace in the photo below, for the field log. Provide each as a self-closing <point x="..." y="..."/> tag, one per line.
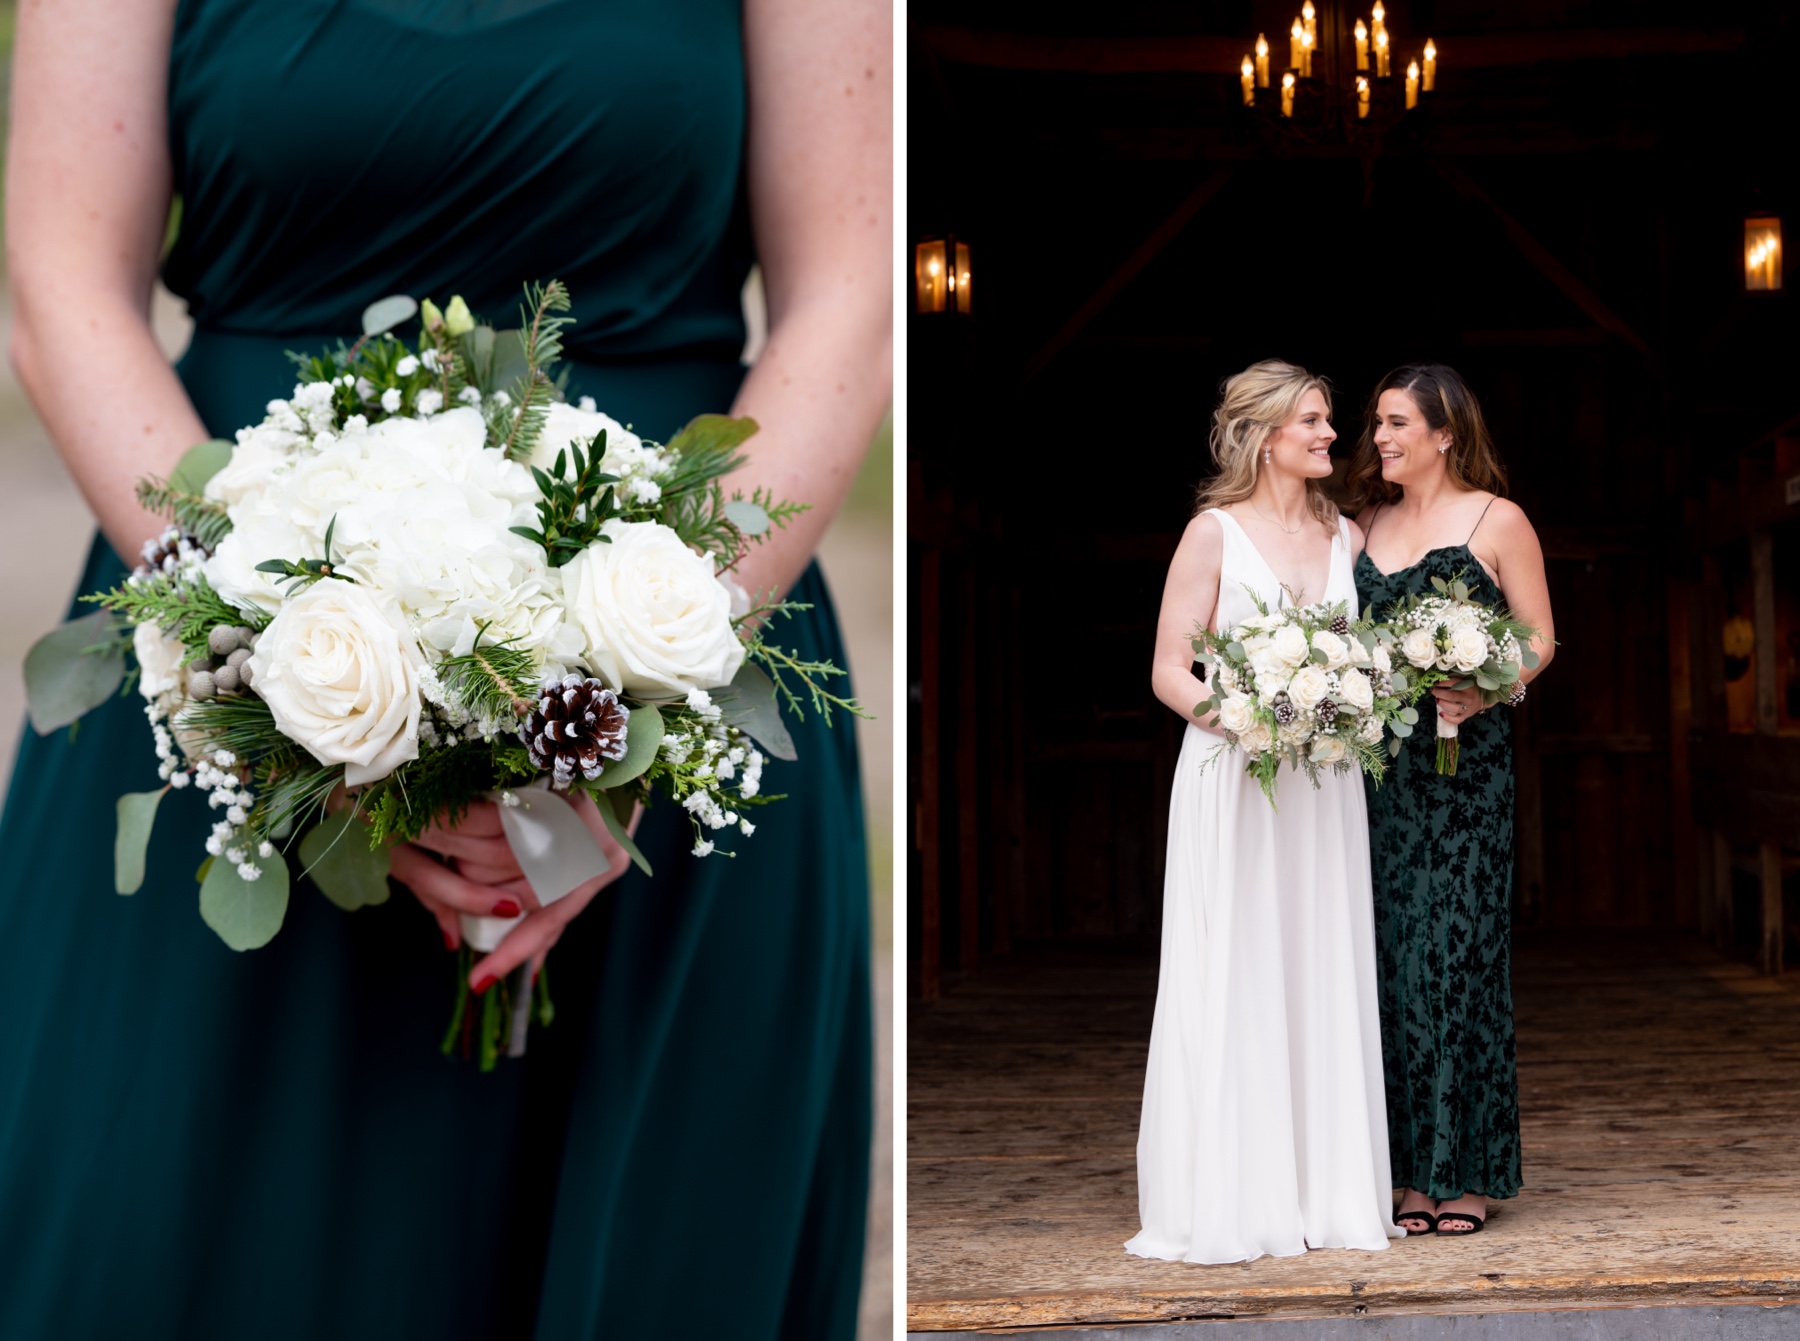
<point x="1277" y="525"/>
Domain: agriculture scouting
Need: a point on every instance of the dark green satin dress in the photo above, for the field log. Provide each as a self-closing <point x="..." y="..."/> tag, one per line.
<point x="209" y="1146"/>
<point x="1442" y="855"/>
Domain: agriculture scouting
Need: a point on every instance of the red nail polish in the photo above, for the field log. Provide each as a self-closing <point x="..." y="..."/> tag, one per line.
<point x="484" y="982"/>
<point x="450" y="939"/>
<point x="505" y="908"/>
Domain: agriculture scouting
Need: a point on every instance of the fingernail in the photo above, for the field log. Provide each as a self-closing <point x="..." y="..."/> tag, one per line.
<point x="482" y="983"/>
<point x="506" y="908"/>
<point x="450" y="939"/>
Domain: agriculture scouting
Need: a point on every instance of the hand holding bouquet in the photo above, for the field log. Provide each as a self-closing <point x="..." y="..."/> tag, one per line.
<point x="1451" y="640"/>
<point x="424" y="579"/>
<point x="1301" y="684"/>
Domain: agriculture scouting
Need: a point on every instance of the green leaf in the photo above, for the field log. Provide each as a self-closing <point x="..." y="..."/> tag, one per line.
<point x="1485" y="682"/>
<point x="1235" y="651"/>
<point x="1460" y="590"/>
<point x="1401" y="683"/>
<point x="245" y="913"/>
<point x="1394" y="748"/>
<point x="1367" y="638"/>
<point x="713" y="432"/>
<point x="199" y="464"/>
<point x="1442" y="586"/>
<point x="749" y="704"/>
<point x="341" y="863"/>
<point x="748" y="517"/>
<point x="1400" y="729"/>
<point x="205" y="866"/>
<point x="643" y="735"/>
<point x="1409" y="715"/>
<point x="623" y="839"/>
<point x="386" y="313"/>
<point x="1527" y="658"/>
<point x="1319" y="656"/>
<point x="137" y="814"/>
<point x="63" y="680"/>
<point x="510" y="362"/>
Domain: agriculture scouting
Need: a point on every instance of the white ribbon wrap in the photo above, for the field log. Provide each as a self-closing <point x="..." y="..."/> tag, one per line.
<point x="1446" y="730"/>
<point x="554" y="849"/>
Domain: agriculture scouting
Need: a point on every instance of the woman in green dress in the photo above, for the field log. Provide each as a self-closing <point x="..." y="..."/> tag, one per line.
<point x="199" y="1144"/>
<point x="1429" y="490"/>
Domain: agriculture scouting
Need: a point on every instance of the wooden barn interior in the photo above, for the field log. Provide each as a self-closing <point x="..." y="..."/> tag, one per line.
<point x="1582" y="213"/>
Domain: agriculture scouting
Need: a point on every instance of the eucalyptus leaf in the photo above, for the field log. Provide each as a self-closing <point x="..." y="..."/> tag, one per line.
<point x="1400" y="682"/>
<point x="384" y="314"/>
<point x="1409" y="715"/>
<point x="63" y="679"/>
<point x="137" y="816"/>
<point x="1367" y="638"/>
<point x="199" y="464"/>
<point x="1528" y="658"/>
<point x="1460" y="590"/>
<point x="713" y="432"/>
<point x="1485" y="682"/>
<point x="341" y="863"/>
<point x="1394" y="748"/>
<point x="622" y="838"/>
<point x="1442" y="586"/>
<point x="748" y="517"/>
<point x="510" y="361"/>
<point x="1320" y="657"/>
<point x="749" y="704"/>
<point x="245" y="913"/>
<point x="1400" y="729"/>
<point x="1235" y="651"/>
<point x="643" y="734"/>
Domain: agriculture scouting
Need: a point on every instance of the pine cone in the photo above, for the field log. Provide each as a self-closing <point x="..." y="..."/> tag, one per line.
<point x="1341" y="626"/>
<point x="576" y="724"/>
<point x="1327" y="713"/>
<point x="1516" y="695"/>
<point x="165" y="553"/>
<point x="1284" y="710"/>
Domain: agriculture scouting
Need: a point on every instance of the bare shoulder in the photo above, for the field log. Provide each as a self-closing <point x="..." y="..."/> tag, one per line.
<point x="1510" y="526"/>
<point x="1356" y="534"/>
<point x="1202" y="542"/>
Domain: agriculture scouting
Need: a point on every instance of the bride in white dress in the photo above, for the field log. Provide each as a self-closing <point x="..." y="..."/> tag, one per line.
<point x="1264" y="1127"/>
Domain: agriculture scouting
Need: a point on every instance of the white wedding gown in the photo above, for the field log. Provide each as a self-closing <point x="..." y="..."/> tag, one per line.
<point x="1264" y="1127"/>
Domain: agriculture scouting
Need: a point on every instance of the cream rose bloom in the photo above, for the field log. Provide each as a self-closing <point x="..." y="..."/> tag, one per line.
<point x="1417" y="647"/>
<point x="1468" y="650"/>
<point x="1359" y="655"/>
<point x="1336" y="650"/>
<point x="1383" y="662"/>
<point x="1357" y="692"/>
<point x="159" y="660"/>
<point x="1266" y="662"/>
<point x="1308" y="686"/>
<point x="1235" y="714"/>
<point x="1257" y="738"/>
<point x="340" y="673"/>
<point x="1289" y="643"/>
<point x="1329" y="750"/>
<point x="653" y="616"/>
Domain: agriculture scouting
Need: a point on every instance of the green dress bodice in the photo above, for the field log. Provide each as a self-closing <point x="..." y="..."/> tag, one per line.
<point x="1441" y="849"/>
<point x="209" y="1146"/>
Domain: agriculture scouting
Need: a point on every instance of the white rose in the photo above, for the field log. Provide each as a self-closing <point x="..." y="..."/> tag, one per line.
<point x="1337" y="652"/>
<point x="1383" y="662"/>
<point x="159" y="660"/>
<point x="1468" y="649"/>
<point x="1356" y="691"/>
<point x="653" y="615"/>
<point x="1359" y="655"/>
<point x="1235" y="714"/>
<point x="1256" y="738"/>
<point x="1419" y="648"/>
<point x="1289" y="643"/>
<point x="340" y="673"/>
<point x="1253" y="644"/>
<point x="1329" y="750"/>
<point x="1307" y="687"/>
<point x="1369" y="733"/>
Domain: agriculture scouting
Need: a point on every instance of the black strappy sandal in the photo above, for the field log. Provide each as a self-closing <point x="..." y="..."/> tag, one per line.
<point x="1400" y="1218"/>
<point x="1475" y="1223"/>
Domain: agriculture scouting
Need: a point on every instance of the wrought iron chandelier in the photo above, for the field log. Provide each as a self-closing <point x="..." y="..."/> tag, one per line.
<point x="1338" y="81"/>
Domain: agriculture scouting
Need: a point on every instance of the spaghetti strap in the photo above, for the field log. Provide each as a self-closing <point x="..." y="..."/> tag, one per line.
<point x="1369" y="526"/>
<point x="1480" y="519"/>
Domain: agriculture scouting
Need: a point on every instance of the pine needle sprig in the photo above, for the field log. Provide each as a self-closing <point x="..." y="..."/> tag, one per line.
<point x="490" y="681"/>
<point x="572" y="509"/>
<point x="543" y="323"/>
<point x="812" y="675"/>
<point x="292" y="797"/>
<point x="200" y="517"/>
<point x="242" y="724"/>
<point x="440" y="786"/>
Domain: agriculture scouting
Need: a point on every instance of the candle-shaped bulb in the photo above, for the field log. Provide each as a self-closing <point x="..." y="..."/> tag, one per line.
<point x="1382" y="69"/>
<point x="1362" y="32"/>
<point x="1287" y="93"/>
<point x="1306" y="11"/>
<point x="1362" y="45"/>
<point x="1262" y="61"/>
<point x="1379" y="14"/>
<point x="1362" y="96"/>
<point x="1430" y="81"/>
<point x="1412" y="85"/>
<point x="1248" y="74"/>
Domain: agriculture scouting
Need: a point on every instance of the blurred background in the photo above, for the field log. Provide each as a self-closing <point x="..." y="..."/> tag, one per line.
<point x="40" y="508"/>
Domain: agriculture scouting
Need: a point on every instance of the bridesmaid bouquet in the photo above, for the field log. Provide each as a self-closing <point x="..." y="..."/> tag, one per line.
<point x="424" y="579"/>
<point x="1304" y="685"/>
<point x="1450" y="639"/>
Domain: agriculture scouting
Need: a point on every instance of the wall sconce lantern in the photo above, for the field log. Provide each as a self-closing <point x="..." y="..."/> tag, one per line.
<point x="941" y="275"/>
<point x="1762" y="252"/>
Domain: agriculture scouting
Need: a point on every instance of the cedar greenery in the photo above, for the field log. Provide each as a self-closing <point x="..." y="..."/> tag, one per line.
<point x="183" y="604"/>
<point x="200" y="517"/>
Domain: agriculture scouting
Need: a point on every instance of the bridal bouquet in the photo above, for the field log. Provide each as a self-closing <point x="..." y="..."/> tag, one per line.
<point x="1450" y="639"/>
<point x="424" y="579"/>
<point x="1303" y="685"/>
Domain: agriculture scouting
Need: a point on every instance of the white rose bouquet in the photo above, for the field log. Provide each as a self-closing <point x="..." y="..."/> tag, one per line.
<point x="1450" y="639"/>
<point x="424" y="579"/>
<point x="1304" y="685"/>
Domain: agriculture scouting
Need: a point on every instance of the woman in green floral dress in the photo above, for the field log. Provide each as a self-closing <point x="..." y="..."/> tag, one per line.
<point x="1430" y="492"/>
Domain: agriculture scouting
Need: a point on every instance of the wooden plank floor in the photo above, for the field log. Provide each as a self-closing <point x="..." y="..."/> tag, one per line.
<point x="1660" y="1093"/>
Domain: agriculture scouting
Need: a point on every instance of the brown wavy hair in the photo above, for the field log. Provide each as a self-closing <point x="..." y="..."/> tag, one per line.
<point x="1252" y="405"/>
<point x="1445" y="401"/>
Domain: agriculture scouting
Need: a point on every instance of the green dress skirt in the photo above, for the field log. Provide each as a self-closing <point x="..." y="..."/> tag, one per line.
<point x="1442" y="852"/>
<point x="202" y="1145"/>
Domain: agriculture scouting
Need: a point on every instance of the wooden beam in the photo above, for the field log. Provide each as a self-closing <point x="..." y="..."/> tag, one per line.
<point x="1762" y="615"/>
<point x="1724" y="890"/>
<point x="1679" y="595"/>
<point x="1773" y="930"/>
<point x="931" y="942"/>
<point x="1540" y="256"/>
<point x="1147" y="251"/>
<point x="968" y="774"/>
<point x="1190" y="54"/>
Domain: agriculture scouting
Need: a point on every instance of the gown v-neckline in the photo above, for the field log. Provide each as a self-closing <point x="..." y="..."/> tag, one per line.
<point x="1269" y="568"/>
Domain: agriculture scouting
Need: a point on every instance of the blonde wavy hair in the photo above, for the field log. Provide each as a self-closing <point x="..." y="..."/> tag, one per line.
<point x="1252" y="405"/>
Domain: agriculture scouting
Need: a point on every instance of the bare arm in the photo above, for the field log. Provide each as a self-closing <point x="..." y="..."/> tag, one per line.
<point x="820" y="174"/>
<point x="1189" y="595"/>
<point x="87" y="197"/>
<point x="1519" y="566"/>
